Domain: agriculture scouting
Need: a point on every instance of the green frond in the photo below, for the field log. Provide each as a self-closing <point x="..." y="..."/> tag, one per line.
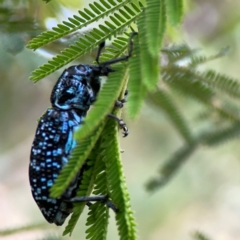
<point x="97" y="222"/>
<point x="85" y="44"/>
<point x="219" y="136"/>
<point x="174" y="11"/>
<point x="101" y="184"/>
<point x="162" y="100"/>
<point x="178" y="52"/>
<point x="208" y="138"/>
<point x="137" y="91"/>
<point x="220" y="82"/>
<point x="78" y="157"/>
<point x="98" y="212"/>
<point x="207" y="113"/>
<point x="106" y="99"/>
<point x="149" y="64"/>
<point x="85" y="189"/>
<point x="105" y="152"/>
<point x="116" y="182"/>
<point x="92" y="178"/>
<point x="93" y="13"/>
<point x="195" y="85"/>
<point x="171" y="166"/>
<point x="197" y="60"/>
<point x="155" y="25"/>
<point x="186" y="81"/>
<point x="225" y="110"/>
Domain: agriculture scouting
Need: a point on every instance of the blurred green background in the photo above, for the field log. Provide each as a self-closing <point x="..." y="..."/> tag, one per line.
<point x="203" y="196"/>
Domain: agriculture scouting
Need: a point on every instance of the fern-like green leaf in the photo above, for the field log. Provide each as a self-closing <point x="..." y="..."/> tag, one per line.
<point x="208" y="138"/>
<point x="214" y="138"/>
<point x="171" y="166"/>
<point x="136" y="88"/>
<point x="106" y="99"/>
<point x="175" y="11"/>
<point x="78" y="157"/>
<point x="85" y="44"/>
<point x="156" y="24"/>
<point x="97" y="222"/>
<point x="178" y="52"/>
<point x="90" y="177"/>
<point x="195" y="85"/>
<point x="220" y="82"/>
<point x="85" y="189"/>
<point x="116" y="182"/>
<point x="149" y="63"/>
<point x="225" y="110"/>
<point x="187" y="82"/>
<point x="93" y="13"/>
<point x="98" y="214"/>
<point x="197" y="60"/>
<point x="161" y="99"/>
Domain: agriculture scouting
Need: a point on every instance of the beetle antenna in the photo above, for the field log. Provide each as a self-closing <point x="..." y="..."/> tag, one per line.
<point x="100" y="48"/>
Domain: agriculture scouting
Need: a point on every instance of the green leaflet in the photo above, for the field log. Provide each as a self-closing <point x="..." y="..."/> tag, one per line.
<point x="97" y="221"/>
<point x="197" y="60"/>
<point x="187" y="82"/>
<point x="93" y="13"/>
<point x="149" y="64"/>
<point x="85" y="189"/>
<point x="116" y="182"/>
<point x="98" y="214"/>
<point x="87" y="43"/>
<point x="155" y="25"/>
<point x="208" y="138"/>
<point x="106" y="176"/>
<point x="178" y="52"/>
<point x="222" y="83"/>
<point x="192" y="83"/>
<point x="214" y="138"/>
<point x="137" y="90"/>
<point x="174" y="11"/>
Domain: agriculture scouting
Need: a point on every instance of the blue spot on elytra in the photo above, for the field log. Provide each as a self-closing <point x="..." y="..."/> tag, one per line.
<point x="49" y="183"/>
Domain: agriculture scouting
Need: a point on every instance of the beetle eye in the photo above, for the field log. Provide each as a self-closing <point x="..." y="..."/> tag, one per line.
<point x="81" y="68"/>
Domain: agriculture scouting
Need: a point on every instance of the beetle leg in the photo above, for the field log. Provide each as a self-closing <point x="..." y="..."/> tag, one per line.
<point x="100" y="198"/>
<point x="121" y="124"/>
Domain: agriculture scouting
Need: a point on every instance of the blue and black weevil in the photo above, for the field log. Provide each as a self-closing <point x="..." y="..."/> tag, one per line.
<point x="73" y="94"/>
